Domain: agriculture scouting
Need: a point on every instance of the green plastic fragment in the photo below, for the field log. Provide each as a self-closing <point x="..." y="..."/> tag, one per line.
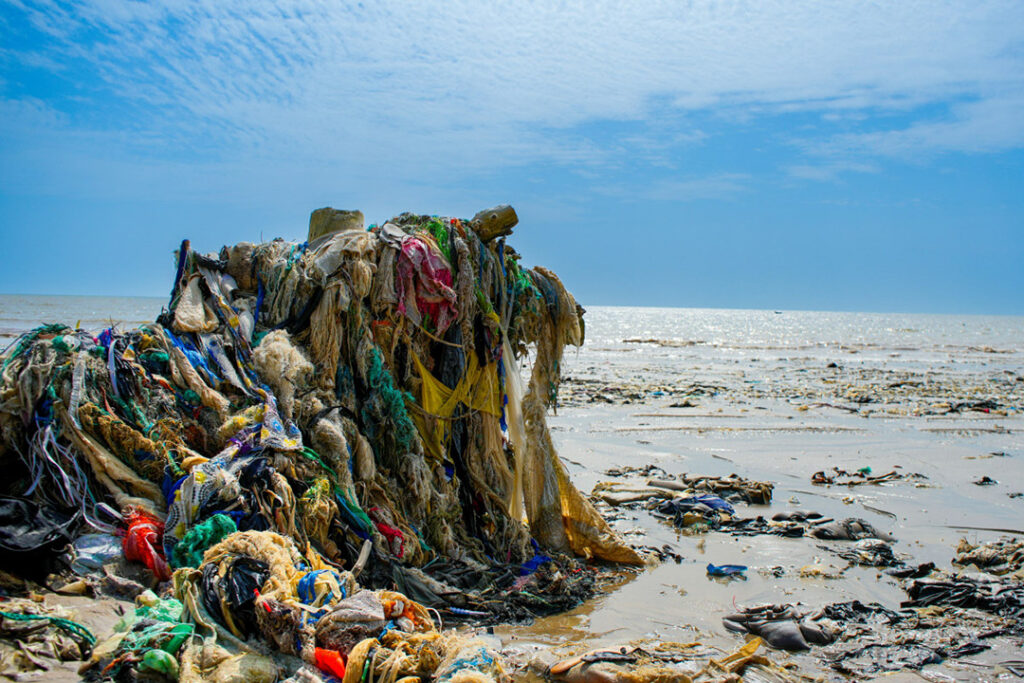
<point x="179" y="634"/>
<point x="160" y="661"/>
<point x="167" y="609"/>
<point x="61" y="344"/>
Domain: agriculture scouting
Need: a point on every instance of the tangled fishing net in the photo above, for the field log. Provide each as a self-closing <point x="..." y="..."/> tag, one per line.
<point x="302" y="413"/>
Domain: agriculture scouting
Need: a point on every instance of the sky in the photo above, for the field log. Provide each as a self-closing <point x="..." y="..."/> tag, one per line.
<point x="764" y="154"/>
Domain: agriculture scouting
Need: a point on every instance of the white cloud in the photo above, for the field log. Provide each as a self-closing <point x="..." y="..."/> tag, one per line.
<point x="992" y="124"/>
<point x="463" y="84"/>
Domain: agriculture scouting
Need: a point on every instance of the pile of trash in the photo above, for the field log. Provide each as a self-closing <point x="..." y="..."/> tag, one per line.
<point x="733" y="488"/>
<point x="947" y="615"/>
<point x="840" y="477"/>
<point x="257" y="609"/>
<point x="1002" y="557"/>
<point x="32" y="632"/>
<point x="304" y="412"/>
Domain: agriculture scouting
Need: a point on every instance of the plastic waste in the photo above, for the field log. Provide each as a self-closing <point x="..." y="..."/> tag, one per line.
<point x="726" y="570"/>
<point x="92" y="551"/>
<point x="142" y="543"/>
<point x="32" y="535"/>
<point x="330" y="661"/>
<point x="716" y="503"/>
<point x="161" y="661"/>
<point x="850" y="529"/>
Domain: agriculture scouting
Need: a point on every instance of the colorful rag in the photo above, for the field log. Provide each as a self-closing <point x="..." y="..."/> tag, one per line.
<point x="205" y="481"/>
<point x="424" y="283"/>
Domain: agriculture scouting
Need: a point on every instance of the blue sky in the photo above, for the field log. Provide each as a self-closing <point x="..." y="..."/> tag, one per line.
<point x="762" y="154"/>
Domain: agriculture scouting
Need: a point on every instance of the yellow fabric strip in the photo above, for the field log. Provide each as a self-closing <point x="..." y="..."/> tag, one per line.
<point x="478" y="389"/>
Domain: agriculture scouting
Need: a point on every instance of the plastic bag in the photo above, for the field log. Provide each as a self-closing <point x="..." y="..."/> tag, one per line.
<point x="92" y="551"/>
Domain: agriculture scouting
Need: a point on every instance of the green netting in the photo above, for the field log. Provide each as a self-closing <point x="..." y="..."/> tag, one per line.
<point x="441" y="236"/>
<point x="384" y="414"/>
<point x="189" y="551"/>
<point x="26" y="340"/>
<point x="72" y="627"/>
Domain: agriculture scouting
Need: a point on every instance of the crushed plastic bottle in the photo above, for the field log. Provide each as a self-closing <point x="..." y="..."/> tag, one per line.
<point x="92" y="551"/>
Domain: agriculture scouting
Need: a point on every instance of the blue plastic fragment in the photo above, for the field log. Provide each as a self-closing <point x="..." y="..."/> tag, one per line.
<point x="533" y="564"/>
<point x="726" y="569"/>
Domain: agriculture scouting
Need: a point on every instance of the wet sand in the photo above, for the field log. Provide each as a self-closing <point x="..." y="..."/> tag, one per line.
<point x="781" y="421"/>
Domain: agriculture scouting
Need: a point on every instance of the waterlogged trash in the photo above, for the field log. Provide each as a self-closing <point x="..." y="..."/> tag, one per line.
<point x="32" y="632"/>
<point x="882" y="657"/>
<point x="667" y="662"/>
<point x="689" y="510"/>
<point x="870" y="552"/>
<point x="851" y="529"/>
<point x="729" y="570"/>
<point x="797" y="516"/>
<point x="860" y="477"/>
<point x="714" y="502"/>
<point x="782" y="626"/>
<point x="1001" y="597"/>
<point x="1005" y="556"/>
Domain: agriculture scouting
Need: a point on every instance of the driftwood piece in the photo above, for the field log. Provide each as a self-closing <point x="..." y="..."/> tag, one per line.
<point x="494" y="222"/>
<point x="670" y="485"/>
<point x="327" y="220"/>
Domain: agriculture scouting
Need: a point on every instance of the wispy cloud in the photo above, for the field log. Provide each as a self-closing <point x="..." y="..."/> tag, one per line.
<point x="991" y="124"/>
<point x="718" y="186"/>
<point x="460" y="86"/>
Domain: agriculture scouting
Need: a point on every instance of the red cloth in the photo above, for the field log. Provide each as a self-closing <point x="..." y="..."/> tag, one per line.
<point x="424" y="284"/>
<point x="330" y="661"/>
<point x="396" y="539"/>
<point x="143" y="543"/>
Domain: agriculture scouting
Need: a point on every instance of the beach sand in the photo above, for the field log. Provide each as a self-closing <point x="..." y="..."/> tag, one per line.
<point x="781" y="421"/>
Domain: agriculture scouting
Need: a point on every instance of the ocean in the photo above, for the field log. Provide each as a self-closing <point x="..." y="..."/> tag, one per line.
<point x="22" y="312"/>
<point x="639" y="337"/>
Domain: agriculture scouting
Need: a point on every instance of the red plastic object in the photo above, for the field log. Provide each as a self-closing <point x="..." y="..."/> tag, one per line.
<point x="330" y="661"/>
<point x="142" y="543"/>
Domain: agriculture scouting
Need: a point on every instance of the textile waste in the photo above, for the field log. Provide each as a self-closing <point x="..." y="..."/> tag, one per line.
<point x="300" y="414"/>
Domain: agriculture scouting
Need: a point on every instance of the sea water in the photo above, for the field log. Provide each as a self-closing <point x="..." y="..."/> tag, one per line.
<point x="645" y="336"/>
<point x="20" y="313"/>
